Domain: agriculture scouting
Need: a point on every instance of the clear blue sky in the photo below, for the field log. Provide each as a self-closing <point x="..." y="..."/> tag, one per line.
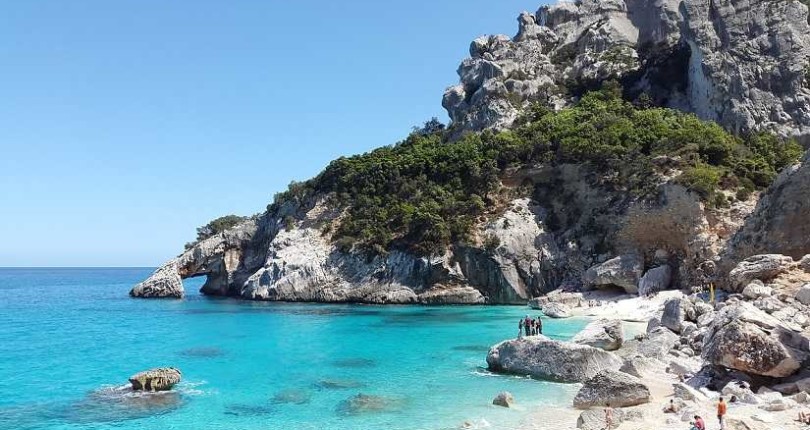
<point x="126" y="124"/>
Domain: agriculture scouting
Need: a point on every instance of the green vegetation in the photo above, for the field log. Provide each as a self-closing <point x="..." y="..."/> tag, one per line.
<point x="218" y="226"/>
<point x="428" y="191"/>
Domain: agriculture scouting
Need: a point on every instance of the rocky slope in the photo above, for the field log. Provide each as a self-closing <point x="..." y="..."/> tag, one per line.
<point x="742" y="63"/>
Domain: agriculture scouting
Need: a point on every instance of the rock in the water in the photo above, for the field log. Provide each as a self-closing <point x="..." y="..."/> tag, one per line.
<point x="623" y="271"/>
<point x="655" y="280"/>
<point x="759" y="267"/>
<point x="556" y="310"/>
<point x="602" y="333"/>
<point x="504" y="399"/>
<point x="544" y="358"/>
<point x="612" y="387"/>
<point x="165" y="282"/>
<point x="744" y="338"/>
<point x="756" y="289"/>
<point x="367" y="404"/>
<point x="160" y="379"/>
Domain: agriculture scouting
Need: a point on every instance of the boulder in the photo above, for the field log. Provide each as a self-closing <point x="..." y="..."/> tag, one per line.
<point x="623" y="271"/>
<point x="159" y="379"/>
<point x="655" y="280"/>
<point x="685" y="392"/>
<point x="165" y="282"/>
<point x="756" y="289"/>
<point x="594" y="419"/>
<point x="544" y="358"/>
<point x="653" y="324"/>
<point x="803" y="295"/>
<point x="762" y="267"/>
<point x="744" y="338"/>
<point x="612" y="387"/>
<point x="602" y="333"/>
<point x="556" y="310"/>
<point x="658" y="343"/>
<point x="675" y="314"/>
<point x="638" y="366"/>
<point x="504" y="399"/>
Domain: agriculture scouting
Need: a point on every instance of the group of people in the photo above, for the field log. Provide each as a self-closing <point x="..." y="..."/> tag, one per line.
<point x="530" y="327"/>
<point x="698" y="423"/>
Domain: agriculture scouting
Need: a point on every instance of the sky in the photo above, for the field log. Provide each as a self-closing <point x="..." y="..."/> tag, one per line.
<point x="126" y="124"/>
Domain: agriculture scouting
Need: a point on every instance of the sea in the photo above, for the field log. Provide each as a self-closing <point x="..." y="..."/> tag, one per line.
<point x="70" y="338"/>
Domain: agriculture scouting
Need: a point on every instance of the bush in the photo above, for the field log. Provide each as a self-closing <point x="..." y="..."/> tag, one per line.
<point x="218" y="226"/>
<point x="427" y="192"/>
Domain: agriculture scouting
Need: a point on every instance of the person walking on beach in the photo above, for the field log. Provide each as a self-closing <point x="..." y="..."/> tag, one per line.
<point x="721" y="412"/>
<point x="608" y="417"/>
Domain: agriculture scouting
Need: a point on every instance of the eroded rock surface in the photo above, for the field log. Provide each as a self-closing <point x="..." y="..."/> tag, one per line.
<point x="612" y="387"/>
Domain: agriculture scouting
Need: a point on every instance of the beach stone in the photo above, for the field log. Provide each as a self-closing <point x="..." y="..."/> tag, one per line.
<point x="159" y="379"/>
<point x="639" y="366"/>
<point x="779" y="405"/>
<point x="594" y="419"/>
<point x="759" y="267"/>
<point x="556" y="310"/>
<point x="803" y="295"/>
<point x="756" y="289"/>
<point x="612" y="387"/>
<point x="504" y="399"/>
<point x="685" y="392"/>
<point x="623" y="271"/>
<point x="675" y="314"/>
<point x="653" y="324"/>
<point x="544" y="358"/>
<point x="735" y="424"/>
<point x="745" y="338"/>
<point x="655" y="280"/>
<point x="658" y="343"/>
<point x="744" y="394"/>
<point x="606" y="334"/>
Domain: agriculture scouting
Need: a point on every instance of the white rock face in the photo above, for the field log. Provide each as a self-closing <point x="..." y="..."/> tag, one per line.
<point x="759" y="267"/>
<point x="543" y="358"/>
<point x="164" y="283"/>
<point x="756" y="289"/>
<point x="744" y="70"/>
<point x="602" y="333"/>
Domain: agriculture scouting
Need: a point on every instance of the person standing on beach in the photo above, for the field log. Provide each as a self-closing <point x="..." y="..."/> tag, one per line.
<point x="520" y="328"/>
<point x="539" y="326"/>
<point x="721" y="412"/>
<point x="608" y="417"/>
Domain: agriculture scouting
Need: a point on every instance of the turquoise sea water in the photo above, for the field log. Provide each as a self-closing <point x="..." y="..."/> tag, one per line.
<point x="70" y="337"/>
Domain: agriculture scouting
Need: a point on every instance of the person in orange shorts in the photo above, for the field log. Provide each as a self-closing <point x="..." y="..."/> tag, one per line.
<point x="721" y="412"/>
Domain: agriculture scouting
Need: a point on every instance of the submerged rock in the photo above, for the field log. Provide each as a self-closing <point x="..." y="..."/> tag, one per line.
<point x="544" y="358"/>
<point x="612" y="387"/>
<point x="367" y="404"/>
<point x="159" y="379"/>
<point x="504" y="399"/>
<point x="295" y="397"/>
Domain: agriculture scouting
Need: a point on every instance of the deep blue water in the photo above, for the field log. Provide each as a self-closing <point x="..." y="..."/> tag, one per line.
<point x="69" y="337"/>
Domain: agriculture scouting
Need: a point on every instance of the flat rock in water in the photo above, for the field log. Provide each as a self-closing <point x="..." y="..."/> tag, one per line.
<point x="160" y="379"/>
<point x="602" y="333"/>
<point x="544" y="358"/>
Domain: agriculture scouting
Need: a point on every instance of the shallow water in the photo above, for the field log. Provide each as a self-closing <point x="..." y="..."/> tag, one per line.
<point x="69" y="338"/>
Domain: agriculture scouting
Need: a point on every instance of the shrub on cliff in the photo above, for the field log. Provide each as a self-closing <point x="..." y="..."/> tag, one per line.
<point x="218" y="226"/>
<point x="427" y="192"/>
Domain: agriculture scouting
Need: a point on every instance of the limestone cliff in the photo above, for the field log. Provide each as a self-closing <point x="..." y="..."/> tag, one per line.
<point x="742" y="63"/>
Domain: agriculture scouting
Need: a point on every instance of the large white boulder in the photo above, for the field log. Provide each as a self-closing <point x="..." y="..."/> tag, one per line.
<point x="602" y="333"/>
<point x="623" y="271"/>
<point x="612" y="387"/>
<point x="544" y="358"/>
